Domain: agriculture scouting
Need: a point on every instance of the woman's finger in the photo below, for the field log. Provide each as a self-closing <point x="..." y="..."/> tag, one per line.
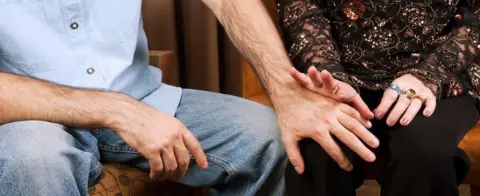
<point x="356" y="114"/>
<point x="358" y="103"/>
<point x="389" y="97"/>
<point x="430" y="105"/>
<point x="411" y="112"/>
<point x="398" y="110"/>
<point x="330" y="84"/>
<point x="315" y="77"/>
<point x="303" y="79"/>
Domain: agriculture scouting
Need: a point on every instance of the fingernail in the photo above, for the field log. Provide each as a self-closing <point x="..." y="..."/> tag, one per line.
<point x="299" y="170"/>
<point x="371" y="157"/>
<point x="375" y="143"/>
<point x="379" y="115"/>
<point x="350" y="168"/>
<point x="389" y="123"/>
<point x="427" y="113"/>
<point x="369" y="124"/>
<point x="404" y="121"/>
<point x="205" y="165"/>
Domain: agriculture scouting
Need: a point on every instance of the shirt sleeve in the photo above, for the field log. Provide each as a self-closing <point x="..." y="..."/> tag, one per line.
<point x="442" y="68"/>
<point x="307" y="37"/>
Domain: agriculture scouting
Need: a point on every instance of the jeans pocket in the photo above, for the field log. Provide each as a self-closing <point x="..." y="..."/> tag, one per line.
<point x="113" y="148"/>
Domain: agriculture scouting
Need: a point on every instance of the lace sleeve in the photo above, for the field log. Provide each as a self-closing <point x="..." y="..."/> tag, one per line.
<point x="442" y="68"/>
<point x="308" y="39"/>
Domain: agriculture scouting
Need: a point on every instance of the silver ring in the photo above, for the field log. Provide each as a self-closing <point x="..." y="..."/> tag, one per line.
<point x="395" y="88"/>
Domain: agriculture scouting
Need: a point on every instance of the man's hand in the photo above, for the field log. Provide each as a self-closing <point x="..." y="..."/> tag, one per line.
<point x="309" y="115"/>
<point x="160" y="138"/>
<point x="324" y="84"/>
<point x="302" y="113"/>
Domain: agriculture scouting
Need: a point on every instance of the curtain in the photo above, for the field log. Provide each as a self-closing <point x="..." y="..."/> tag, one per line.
<point x="204" y="57"/>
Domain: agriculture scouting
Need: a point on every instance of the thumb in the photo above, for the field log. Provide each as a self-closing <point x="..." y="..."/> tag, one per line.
<point x="293" y="152"/>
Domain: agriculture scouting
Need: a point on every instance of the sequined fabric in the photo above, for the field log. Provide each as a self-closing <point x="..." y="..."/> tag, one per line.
<point x="437" y="41"/>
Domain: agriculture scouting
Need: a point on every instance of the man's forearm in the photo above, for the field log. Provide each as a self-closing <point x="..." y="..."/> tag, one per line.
<point x="254" y="34"/>
<point x="24" y="98"/>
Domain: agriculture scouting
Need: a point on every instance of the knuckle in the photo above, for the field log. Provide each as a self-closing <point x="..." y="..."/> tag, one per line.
<point x="169" y="170"/>
<point x="329" y="121"/>
<point x="165" y="145"/>
<point x="183" y="163"/>
<point x="152" y="148"/>
<point x="320" y="134"/>
<point x="176" y="136"/>
<point x="158" y="168"/>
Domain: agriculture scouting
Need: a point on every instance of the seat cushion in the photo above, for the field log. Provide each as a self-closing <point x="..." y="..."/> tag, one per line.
<point x="121" y="180"/>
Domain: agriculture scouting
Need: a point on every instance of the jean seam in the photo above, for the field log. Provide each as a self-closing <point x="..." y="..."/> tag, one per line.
<point x="119" y="149"/>
<point x="212" y="158"/>
<point x="110" y="148"/>
<point x="115" y="149"/>
<point x="228" y="168"/>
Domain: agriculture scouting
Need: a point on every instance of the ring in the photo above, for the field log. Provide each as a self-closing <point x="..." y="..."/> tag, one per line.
<point x="421" y="98"/>
<point x="395" y="88"/>
<point x="410" y="93"/>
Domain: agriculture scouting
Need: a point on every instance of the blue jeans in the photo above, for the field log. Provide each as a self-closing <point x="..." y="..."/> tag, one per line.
<point x="241" y="140"/>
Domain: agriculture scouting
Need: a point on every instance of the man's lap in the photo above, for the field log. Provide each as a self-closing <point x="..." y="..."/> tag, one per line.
<point x="233" y="132"/>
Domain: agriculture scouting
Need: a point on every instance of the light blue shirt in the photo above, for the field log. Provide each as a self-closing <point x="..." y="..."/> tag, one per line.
<point x="97" y="44"/>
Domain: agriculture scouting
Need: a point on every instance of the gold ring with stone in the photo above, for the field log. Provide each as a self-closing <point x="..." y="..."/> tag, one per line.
<point x="410" y="93"/>
<point x="419" y="97"/>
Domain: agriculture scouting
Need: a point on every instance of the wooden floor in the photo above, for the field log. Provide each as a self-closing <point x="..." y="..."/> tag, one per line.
<point x="371" y="188"/>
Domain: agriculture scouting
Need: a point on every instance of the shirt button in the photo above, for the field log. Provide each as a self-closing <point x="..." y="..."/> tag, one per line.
<point x="90" y="71"/>
<point x="74" y="25"/>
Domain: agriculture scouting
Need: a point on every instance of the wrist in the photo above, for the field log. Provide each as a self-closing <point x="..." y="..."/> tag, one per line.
<point x="120" y="108"/>
<point x="290" y="94"/>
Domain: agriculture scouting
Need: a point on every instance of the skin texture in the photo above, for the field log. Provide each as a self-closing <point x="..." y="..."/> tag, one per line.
<point x="302" y="113"/>
<point x="164" y="140"/>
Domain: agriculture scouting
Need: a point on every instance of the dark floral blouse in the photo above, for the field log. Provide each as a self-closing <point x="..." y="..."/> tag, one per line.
<point x="369" y="43"/>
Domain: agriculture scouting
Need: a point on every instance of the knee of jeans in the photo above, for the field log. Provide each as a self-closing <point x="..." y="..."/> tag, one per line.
<point x="33" y="147"/>
<point x="260" y="133"/>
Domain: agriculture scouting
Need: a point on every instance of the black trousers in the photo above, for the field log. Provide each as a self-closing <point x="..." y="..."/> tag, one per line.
<point x="421" y="159"/>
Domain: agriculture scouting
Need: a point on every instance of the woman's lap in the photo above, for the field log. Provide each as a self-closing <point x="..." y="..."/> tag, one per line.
<point x="423" y="143"/>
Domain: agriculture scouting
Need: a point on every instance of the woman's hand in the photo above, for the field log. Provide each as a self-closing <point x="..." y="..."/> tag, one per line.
<point x="406" y="95"/>
<point x="324" y="84"/>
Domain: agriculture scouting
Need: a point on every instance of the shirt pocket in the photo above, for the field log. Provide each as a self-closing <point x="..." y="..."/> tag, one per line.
<point x="26" y="40"/>
<point x="116" y="21"/>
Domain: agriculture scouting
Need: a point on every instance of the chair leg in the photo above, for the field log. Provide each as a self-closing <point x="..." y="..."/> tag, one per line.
<point x="475" y="190"/>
